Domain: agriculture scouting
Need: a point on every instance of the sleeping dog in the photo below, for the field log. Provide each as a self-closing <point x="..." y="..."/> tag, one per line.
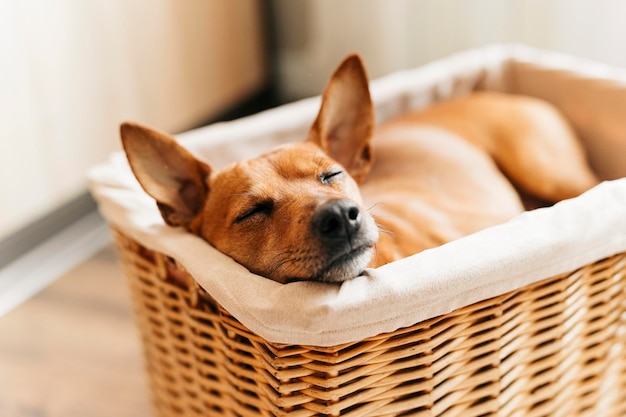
<point x="353" y="195"/>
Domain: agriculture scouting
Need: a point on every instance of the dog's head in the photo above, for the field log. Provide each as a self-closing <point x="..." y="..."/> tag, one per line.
<point x="294" y="213"/>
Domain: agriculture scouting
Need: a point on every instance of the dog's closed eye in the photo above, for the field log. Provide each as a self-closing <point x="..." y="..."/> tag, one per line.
<point x="260" y="208"/>
<point x="327" y="177"/>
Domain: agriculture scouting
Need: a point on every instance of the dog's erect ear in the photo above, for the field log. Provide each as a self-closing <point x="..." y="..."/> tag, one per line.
<point x="345" y="122"/>
<point x="167" y="172"/>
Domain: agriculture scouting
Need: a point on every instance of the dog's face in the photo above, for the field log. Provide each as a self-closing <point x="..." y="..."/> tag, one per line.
<point x="294" y="213"/>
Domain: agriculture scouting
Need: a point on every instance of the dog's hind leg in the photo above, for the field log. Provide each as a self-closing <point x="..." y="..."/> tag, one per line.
<point x="543" y="156"/>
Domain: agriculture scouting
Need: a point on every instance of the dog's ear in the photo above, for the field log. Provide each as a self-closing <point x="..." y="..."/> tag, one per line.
<point x="345" y="122"/>
<point x="167" y="172"/>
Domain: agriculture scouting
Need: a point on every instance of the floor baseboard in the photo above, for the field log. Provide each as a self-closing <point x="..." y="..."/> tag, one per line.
<point x="53" y="222"/>
<point x="33" y="270"/>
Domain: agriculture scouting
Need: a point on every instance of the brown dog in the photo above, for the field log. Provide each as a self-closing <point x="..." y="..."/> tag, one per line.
<point x="426" y="178"/>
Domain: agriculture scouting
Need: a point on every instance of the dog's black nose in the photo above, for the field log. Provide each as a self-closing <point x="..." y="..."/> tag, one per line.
<point x="337" y="219"/>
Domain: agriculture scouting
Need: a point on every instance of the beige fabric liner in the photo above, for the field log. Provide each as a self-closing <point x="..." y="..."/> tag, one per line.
<point x="534" y="246"/>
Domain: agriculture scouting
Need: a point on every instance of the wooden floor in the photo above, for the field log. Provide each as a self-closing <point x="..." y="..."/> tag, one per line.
<point x="72" y="350"/>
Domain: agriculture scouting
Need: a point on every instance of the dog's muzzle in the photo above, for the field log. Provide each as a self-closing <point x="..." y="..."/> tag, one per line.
<point x="347" y="236"/>
<point x="337" y="222"/>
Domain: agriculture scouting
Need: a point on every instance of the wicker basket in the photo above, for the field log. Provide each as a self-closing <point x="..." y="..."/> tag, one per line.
<point x="554" y="345"/>
<point x="554" y="348"/>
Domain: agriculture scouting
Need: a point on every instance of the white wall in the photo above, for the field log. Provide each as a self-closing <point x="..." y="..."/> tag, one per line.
<point x="71" y="70"/>
<point x="396" y="34"/>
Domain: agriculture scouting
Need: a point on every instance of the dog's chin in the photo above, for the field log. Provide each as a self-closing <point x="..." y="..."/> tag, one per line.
<point x="346" y="266"/>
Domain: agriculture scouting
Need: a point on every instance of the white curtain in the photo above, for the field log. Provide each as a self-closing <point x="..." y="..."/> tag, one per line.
<point x="71" y="70"/>
<point x="396" y="34"/>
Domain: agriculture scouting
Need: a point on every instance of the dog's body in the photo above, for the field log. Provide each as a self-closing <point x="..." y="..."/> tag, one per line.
<point x="426" y="178"/>
<point x="456" y="155"/>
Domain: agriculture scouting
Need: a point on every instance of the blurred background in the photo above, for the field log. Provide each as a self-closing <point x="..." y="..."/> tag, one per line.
<point x="72" y="70"/>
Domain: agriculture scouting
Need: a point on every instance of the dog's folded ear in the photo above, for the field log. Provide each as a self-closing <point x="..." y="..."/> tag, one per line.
<point x="345" y="122"/>
<point x="167" y="172"/>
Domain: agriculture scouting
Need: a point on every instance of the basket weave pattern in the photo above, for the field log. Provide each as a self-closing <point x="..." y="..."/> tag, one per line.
<point x="555" y="348"/>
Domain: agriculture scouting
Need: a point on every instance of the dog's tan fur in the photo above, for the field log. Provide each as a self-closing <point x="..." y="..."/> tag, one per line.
<point x="313" y="210"/>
